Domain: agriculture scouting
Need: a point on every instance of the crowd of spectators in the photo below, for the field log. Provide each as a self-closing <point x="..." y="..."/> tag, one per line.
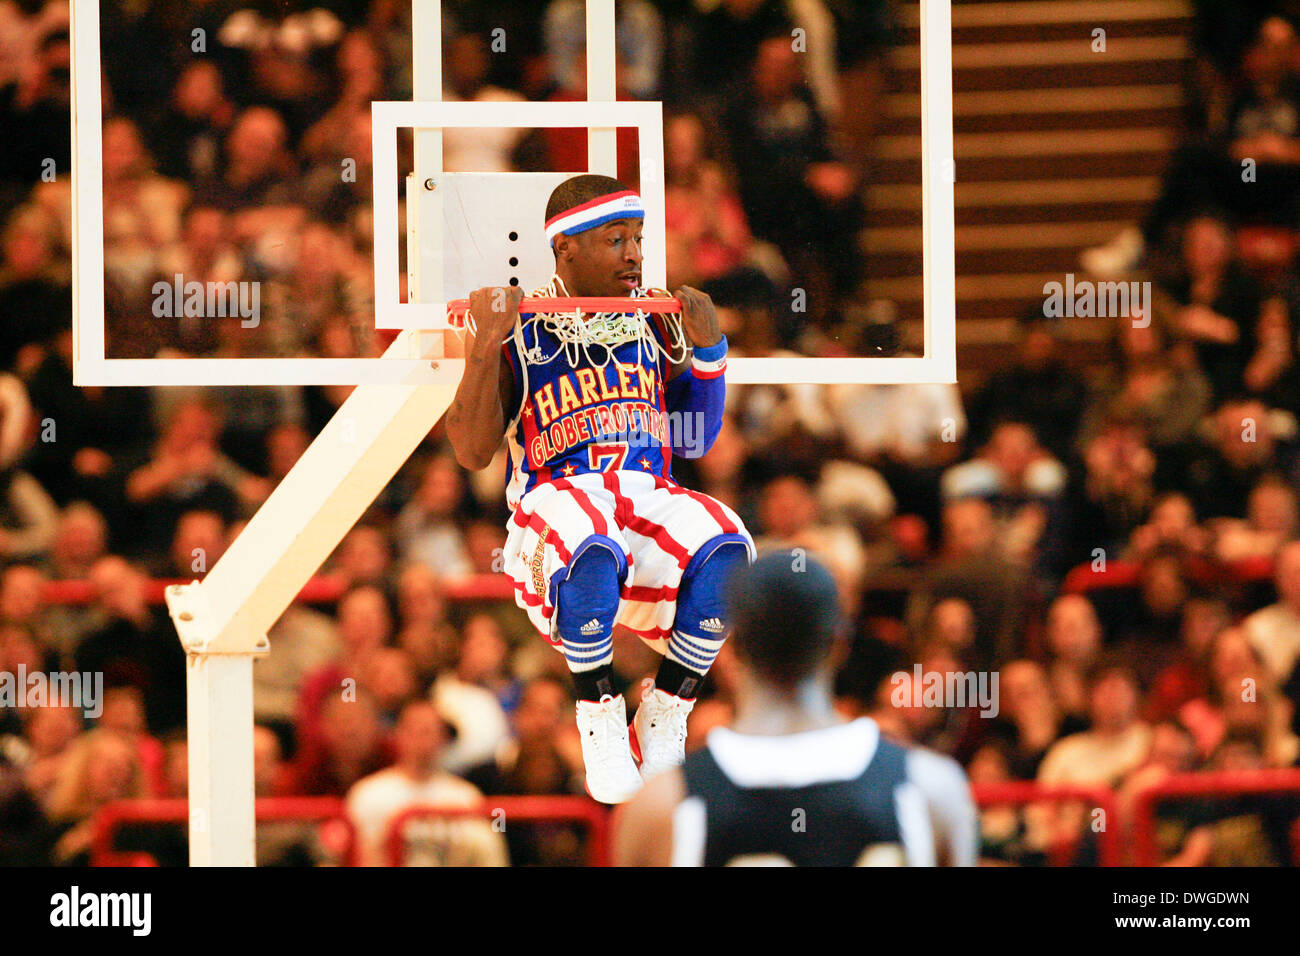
<point x="1119" y="544"/>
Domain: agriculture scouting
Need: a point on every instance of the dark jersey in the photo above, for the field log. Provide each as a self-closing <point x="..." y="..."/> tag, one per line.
<point x="841" y="796"/>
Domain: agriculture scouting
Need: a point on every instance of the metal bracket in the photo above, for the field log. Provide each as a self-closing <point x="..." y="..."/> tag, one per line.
<point x="190" y="613"/>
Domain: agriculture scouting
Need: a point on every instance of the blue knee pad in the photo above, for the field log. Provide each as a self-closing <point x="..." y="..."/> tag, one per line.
<point x="702" y="599"/>
<point x="586" y="596"/>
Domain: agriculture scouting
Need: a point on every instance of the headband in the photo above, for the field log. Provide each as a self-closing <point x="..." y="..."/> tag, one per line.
<point x="596" y="212"/>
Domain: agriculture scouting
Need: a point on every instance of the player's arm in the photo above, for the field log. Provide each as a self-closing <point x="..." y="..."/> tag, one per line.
<point x="643" y="827"/>
<point x="699" y="393"/>
<point x="476" y="420"/>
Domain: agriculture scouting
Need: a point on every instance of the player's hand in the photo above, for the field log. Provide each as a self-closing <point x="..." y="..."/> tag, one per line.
<point x="699" y="318"/>
<point x="495" y="310"/>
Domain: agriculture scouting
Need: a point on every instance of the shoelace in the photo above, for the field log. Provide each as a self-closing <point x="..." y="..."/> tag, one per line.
<point x="604" y="722"/>
<point x="673" y="716"/>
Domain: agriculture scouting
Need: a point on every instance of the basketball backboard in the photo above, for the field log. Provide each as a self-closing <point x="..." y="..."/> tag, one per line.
<point x="457" y="227"/>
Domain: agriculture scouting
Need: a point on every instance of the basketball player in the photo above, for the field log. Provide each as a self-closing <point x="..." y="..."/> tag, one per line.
<point x="593" y="408"/>
<point x="790" y="782"/>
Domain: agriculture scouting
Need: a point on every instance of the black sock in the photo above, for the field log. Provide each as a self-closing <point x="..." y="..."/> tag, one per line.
<point x="675" y="679"/>
<point x="596" y="683"/>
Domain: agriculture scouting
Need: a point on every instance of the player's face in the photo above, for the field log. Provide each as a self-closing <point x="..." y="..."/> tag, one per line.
<point x="608" y="259"/>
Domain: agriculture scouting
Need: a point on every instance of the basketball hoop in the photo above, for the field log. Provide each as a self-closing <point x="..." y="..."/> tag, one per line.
<point x="458" y="309"/>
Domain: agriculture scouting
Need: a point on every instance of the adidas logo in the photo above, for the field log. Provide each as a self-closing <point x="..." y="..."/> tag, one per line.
<point x="591" y="627"/>
<point x="712" y="624"/>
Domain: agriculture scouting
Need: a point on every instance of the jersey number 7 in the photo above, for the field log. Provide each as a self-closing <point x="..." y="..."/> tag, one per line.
<point x="606" y="456"/>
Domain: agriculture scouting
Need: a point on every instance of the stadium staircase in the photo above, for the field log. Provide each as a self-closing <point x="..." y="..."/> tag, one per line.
<point x="1058" y="148"/>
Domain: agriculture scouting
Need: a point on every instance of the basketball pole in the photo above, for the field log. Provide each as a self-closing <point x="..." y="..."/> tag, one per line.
<point x="223" y="620"/>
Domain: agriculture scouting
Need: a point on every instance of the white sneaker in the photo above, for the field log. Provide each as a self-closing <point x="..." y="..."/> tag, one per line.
<point x="612" y="776"/>
<point x="659" y="731"/>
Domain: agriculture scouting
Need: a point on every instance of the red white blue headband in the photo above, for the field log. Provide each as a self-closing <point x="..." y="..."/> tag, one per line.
<point x="595" y="212"/>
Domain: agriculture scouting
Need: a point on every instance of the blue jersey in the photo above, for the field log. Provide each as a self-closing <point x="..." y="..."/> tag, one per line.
<point x="592" y="416"/>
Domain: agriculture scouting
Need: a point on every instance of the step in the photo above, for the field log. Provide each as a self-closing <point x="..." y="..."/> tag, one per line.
<point x="1020" y="193"/>
<point x="1057" y="54"/>
<point x="1015" y="145"/>
<point x="1046" y="102"/>
<point x="887" y="239"/>
<point x="1064" y="123"/>
<point x="1049" y="75"/>
<point x="1052" y="11"/>
<point x="1025" y="285"/>
<point x="972" y="169"/>
<point x="1052" y="260"/>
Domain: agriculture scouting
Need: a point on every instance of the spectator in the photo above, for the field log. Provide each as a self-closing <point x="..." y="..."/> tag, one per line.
<point x="972" y="567"/>
<point x="1030" y="719"/>
<point x="1074" y="641"/>
<point x="33" y="290"/>
<point x="101" y="766"/>
<point x="428" y="529"/>
<point x="136" y="645"/>
<point x="416" y="779"/>
<point x="791" y="518"/>
<point x="1038" y="388"/>
<point x="796" y="193"/>
<point x="1219" y="303"/>
<point x="349" y="744"/>
<point x="1272" y="518"/>
<point x="476" y="150"/>
<point x="196" y="120"/>
<point x="1116" y="743"/>
<point x="365" y="625"/>
<point x="1218" y="474"/>
<point x="708" y="233"/>
<point x="187" y="472"/>
<point x="1274" y="631"/>
<point x="424" y="631"/>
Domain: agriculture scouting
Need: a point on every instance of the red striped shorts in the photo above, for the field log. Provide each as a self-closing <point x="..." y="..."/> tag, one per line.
<point x="658" y="525"/>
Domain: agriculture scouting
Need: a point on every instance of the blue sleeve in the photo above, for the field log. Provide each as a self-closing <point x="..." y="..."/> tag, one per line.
<point x="695" y="400"/>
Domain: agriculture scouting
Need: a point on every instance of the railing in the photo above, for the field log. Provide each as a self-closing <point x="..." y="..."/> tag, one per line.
<point x="1141" y="823"/>
<point x="324" y="589"/>
<point x="1022" y="793"/>
<point x="1223" y="784"/>
<point x="513" y="810"/>
<point x="113" y="816"/>
<point x="1128" y="574"/>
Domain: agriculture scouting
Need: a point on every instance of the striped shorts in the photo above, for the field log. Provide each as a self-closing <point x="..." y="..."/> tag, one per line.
<point x="656" y="523"/>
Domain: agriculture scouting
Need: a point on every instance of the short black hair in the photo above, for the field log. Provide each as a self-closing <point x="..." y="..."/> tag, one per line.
<point x="785" y="615"/>
<point x="578" y="190"/>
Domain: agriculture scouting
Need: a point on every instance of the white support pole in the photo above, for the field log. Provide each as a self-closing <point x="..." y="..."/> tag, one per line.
<point x="938" y="200"/>
<point x="223" y="620"/>
<point x="424" y="202"/>
<point x="602" y="84"/>
<point x="220" y="711"/>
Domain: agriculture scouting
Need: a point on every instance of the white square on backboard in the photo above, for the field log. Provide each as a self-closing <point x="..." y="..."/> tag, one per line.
<point x="519" y="209"/>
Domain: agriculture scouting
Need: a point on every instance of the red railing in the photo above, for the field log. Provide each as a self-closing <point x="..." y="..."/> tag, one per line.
<point x="513" y="810"/>
<point x="1022" y="793"/>
<point x="596" y="818"/>
<point x="324" y="589"/>
<point x="113" y="816"/>
<point x="1128" y="574"/>
<point x="1224" y="784"/>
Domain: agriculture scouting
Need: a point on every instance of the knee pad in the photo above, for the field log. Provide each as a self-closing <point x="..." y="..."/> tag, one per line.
<point x="586" y="595"/>
<point x="702" y="598"/>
